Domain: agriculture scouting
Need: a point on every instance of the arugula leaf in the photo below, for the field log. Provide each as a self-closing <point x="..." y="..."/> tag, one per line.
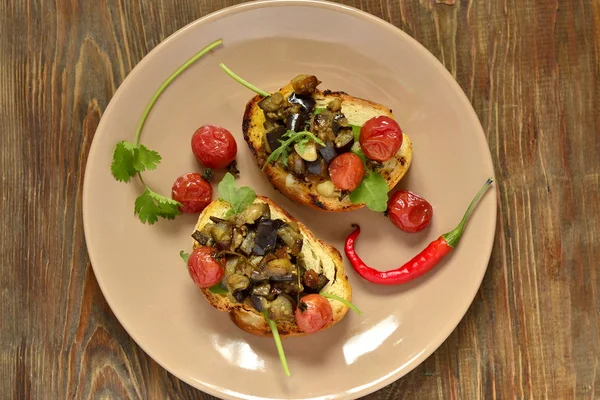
<point x="217" y="288"/>
<point x="238" y="198"/>
<point x="122" y="166"/>
<point x="151" y="205"/>
<point x="356" y="132"/>
<point x="185" y="256"/>
<point x="319" y="110"/>
<point x="278" y="343"/>
<point x="358" y="151"/>
<point x="293" y="137"/>
<point x="302" y="144"/>
<point x="146" y="159"/>
<point x="372" y="191"/>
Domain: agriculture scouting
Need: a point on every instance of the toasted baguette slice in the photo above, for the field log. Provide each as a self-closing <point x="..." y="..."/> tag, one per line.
<point x="318" y="255"/>
<point x="357" y="111"/>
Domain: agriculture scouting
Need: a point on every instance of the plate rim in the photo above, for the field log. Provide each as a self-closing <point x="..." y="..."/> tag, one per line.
<point x="438" y="339"/>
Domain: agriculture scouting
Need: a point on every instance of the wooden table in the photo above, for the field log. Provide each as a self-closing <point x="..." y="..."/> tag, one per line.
<point x="532" y="72"/>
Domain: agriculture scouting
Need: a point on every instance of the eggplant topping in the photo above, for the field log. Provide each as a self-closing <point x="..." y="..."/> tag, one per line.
<point x="328" y="152"/>
<point x="237" y="282"/>
<point x="318" y="167"/>
<point x="257" y="275"/>
<point x="266" y="236"/>
<point x="292" y="239"/>
<point x="237" y="238"/>
<point x="241" y="295"/>
<point x="272" y="103"/>
<point x="307" y="103"/>
<point x="253" y="213"/>
<point x="258" y="302"/>
<point x="296" y="164"/>
<point x="296" y="122"/>
<point x="248" y="244"/>
<point x="222" y="233"/>
<point x="335" y="105"/>
<point x="305" y="84"/>
<point x="322" y="126"/>
<point x="314" y="282"/>
<point x="280" y="269"/>
<point x="273" y="136"/>
<point x="344" y="141"/>
<point x="265" y="260"/>
<point x="200" y="237"/>
<point x="262" y="289"/>
<point x="281" y="308"/>
<point x="231" y="266"/>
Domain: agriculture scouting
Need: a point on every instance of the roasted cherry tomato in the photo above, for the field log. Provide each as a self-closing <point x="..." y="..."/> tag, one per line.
<point x="193" y="191"/>
<point x="380" y="138"/>
<point x="213" y="146"/>
<point x="409" y="211"/>
<point x="313" y="313"/>
<point x="346" y="171"/>
<point x="204" y="269"/>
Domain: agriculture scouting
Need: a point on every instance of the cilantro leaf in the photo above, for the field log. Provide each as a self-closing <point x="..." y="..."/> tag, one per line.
<point x="150" y="205"/>
<point x="145" y="159"/>
<point x="185" y="256"/>
<point x="122" y="166"/>
<point x="238" y="198"/>
<point x="372" y="191"/>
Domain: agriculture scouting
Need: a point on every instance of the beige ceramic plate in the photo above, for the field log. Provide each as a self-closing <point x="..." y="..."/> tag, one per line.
<point x="138" y="266"/>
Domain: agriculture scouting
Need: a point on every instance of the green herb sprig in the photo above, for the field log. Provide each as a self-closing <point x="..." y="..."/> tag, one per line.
<point x="291" y="137"/>
<point x="130" y="159"/>
<point x="278" y="343"/>
<point x="243" y="81"/>
<point x="343" y="301"/>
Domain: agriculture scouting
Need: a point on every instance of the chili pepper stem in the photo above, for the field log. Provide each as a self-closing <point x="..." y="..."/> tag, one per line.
<point x="453" y="237"/>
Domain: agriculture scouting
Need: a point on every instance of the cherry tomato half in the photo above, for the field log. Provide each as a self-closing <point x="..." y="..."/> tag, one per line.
<point x="205" y="270"/>
<point x="346" y="171"/>
<point x="380" y="138"/>
<point x="214" y="146"/>
<point x="193" y="191"/>
<point x="409" y="211"/>
<point x="313" y="313"/>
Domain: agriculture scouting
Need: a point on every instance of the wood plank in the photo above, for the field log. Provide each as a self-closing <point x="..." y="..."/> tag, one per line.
<point x="532" y="72"/>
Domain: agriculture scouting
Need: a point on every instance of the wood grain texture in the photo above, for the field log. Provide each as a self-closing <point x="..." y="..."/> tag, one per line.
<point x="531" y="69"/>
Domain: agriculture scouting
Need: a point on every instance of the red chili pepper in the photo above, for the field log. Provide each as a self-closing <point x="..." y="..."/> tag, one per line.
<point x="422" y="262"/>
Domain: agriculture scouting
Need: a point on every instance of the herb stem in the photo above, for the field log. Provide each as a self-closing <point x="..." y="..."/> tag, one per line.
<point x="168" y="82"/>
<point x="142" y="180"/>
<point x="243" y="82"/>
<point x="294" y="137"/>
<point x="342" y="300"/>
<point x="278" y="344"/>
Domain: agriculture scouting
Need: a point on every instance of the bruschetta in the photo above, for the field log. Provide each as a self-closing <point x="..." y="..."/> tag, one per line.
<point x="332" y="125"/>
<point x="271" y="266"/>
